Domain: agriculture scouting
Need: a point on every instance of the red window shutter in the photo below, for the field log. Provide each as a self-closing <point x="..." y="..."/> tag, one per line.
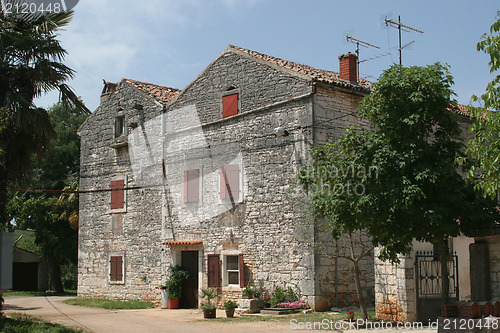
<point x="191" y="185"/>
<point x="117" y="197"/>
<point x="242" y="270"/>
<point x="229" y="105"/>
<point x="230" y="182"/>
<point x="116" y="268"/>
<point x="119" y="268"/>
<point x="213" y="270"/>
<point x="233" y="180"/>
<point x="112" y="268"/>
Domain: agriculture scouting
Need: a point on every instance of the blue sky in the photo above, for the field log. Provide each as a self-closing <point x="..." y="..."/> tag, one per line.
<point x="169" y="42"/>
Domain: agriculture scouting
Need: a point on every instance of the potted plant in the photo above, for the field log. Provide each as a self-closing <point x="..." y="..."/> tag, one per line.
<point x="230" y="305"/>
<point x="173" y="285"/>
<point x="209" y="310"/>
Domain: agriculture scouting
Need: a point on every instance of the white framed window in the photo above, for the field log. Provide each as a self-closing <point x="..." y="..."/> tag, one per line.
<point x="232" y="268"/>
<point x="116" y="268"/>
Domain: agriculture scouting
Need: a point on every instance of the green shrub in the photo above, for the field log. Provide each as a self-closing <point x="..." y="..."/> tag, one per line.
<point x="280" y="295"/>
<point x="174" y="283"/>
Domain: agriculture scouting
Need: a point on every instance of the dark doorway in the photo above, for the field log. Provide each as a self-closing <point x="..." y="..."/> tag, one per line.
<point x="189" y="262"/>
<point x="25" y="276"/>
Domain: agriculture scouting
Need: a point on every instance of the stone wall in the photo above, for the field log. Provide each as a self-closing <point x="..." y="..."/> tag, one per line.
<point x="493" y="243"/>
<point x="265" y="224"/>
<point x="335" y="110"/>
<point x="395" y="296"/>
<point x="135" y="233"/>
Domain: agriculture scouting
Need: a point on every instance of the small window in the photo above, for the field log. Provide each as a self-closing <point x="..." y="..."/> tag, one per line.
<point x="229" y="105"/>
<point x="192" y="185"/>
<point x="119" y="126"/>
<point x="116" y="268"/>
<point x="233" y="272"/>
<point x="230" y="181"/>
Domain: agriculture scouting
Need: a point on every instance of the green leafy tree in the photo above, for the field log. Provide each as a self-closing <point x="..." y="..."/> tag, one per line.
<point x="57" y="238"/>
<point x="30" y="65"/>
<point x="484" y="148"/>
<point x="398" y="181"/>
<point x="54" y="217"/>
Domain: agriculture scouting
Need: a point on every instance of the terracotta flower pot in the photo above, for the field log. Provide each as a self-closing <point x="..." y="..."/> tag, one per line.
<point x="209" y="313"/>
<point x="173" y="303"/>
<point x="230" y="313"/>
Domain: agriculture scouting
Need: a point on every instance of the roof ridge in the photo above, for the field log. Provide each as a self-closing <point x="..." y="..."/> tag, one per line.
<point x="322" y="75"/>
<point x="162" y="94"/>
<point x="149" y="83"/>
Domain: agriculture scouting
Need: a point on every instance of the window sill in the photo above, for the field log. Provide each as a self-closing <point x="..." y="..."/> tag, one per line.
<point x="119" y="143"/>
<point x="232" y="287"/>
<point x="116" y="282"/>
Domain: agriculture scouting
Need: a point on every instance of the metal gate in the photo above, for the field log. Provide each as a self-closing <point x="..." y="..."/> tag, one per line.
<point x="428" y="284"/>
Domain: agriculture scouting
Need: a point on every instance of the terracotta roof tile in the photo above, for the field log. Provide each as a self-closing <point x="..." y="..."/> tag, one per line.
<point x="317" y="74"/>
<point x="160" y="93"/>
<point x="182" y="242"/>
<point x="463" y="110"/>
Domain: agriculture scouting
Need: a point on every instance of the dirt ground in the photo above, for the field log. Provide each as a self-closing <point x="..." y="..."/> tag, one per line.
<point x="96" y="320"/>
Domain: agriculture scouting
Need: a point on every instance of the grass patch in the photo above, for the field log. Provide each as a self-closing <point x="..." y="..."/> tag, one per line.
<point x="16" y="322"/>
<point x="104" y="303"/>
<point x="39" y="293"/>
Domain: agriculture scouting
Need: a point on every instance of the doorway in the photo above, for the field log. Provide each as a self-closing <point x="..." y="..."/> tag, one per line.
<point x="189" y="263"/>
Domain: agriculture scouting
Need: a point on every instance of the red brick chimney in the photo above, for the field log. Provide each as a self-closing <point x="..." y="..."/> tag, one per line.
<point x="348" y="67"/>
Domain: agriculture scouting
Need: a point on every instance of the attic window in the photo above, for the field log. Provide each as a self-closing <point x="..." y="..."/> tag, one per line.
<point x="119" y="126"/>
<point x="230" y="104"/>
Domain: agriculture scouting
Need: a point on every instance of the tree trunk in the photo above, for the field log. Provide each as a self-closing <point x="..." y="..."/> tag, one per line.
<point x="357" y="278"/>
<point x="361" y="298"/>
<point x="443" y="260"/>
<point x="55" y="282"/>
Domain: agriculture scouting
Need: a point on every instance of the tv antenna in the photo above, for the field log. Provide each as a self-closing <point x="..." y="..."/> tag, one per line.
<point x="359" y="43"/>
<point x="401" y="27"/>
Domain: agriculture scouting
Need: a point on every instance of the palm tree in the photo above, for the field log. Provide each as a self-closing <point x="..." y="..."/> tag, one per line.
<point x="30" y="65"/>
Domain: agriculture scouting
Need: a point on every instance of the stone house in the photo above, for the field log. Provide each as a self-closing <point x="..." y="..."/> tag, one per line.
<point x="205" y="178"/>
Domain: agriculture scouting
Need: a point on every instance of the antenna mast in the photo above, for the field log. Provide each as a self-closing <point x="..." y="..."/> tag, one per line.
<point x="359" y="42"/>
<point x="400" y="26"/>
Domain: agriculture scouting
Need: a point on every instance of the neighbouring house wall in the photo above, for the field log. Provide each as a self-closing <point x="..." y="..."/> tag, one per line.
<point x="136" y="232"/>
<point x="493" y="243"/>
<point x="461" y="248"/>
<point x="334" y="111"/>
<point x="395" y="295"/>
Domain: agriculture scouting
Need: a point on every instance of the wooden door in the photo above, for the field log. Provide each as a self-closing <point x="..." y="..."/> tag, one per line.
<point x="189" y="262"/>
